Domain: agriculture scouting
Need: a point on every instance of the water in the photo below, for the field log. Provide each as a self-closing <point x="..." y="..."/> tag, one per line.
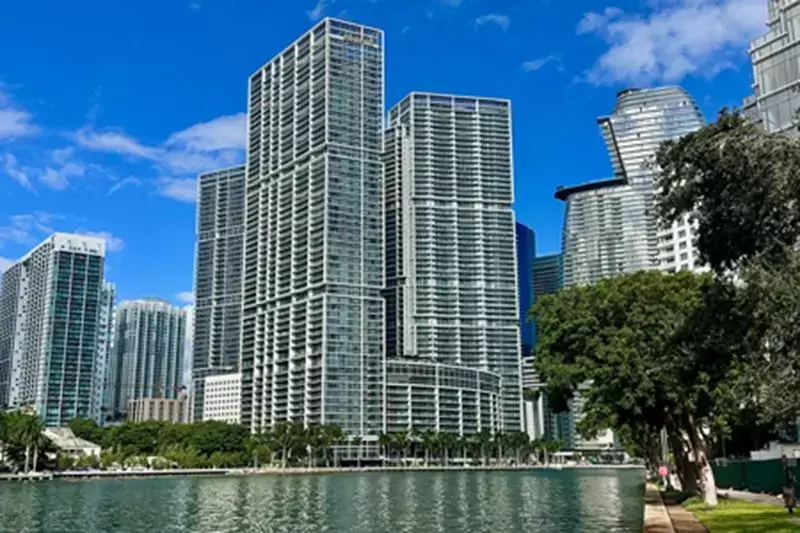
<point x="565" y="501"/>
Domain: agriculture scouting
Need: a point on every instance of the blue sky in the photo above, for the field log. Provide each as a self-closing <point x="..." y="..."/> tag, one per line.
<point x="109" y="109"/>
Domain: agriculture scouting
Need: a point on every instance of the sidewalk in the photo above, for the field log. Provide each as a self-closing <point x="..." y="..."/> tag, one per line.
<point x="656" y="518"/>
<point x="769" y="499"/>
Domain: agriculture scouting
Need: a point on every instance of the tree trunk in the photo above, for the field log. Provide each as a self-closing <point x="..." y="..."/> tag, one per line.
<point x="686" y="470"/>
<point x="707" y="481"/>
<point x="283" y="458"/>
<point x="35" y="457"/>
<point x="27" y="458"/>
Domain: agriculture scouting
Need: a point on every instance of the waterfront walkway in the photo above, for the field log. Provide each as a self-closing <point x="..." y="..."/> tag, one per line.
<point x="669" y="517"/>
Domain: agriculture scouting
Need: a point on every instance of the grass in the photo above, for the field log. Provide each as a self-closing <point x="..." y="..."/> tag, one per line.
<point x="735" y="516"/>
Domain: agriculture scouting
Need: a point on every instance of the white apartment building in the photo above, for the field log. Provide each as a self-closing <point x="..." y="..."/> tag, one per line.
<point x="222" y="400"/>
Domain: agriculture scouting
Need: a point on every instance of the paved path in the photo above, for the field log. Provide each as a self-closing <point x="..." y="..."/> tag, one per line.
<point x="769" y="499"/>
<point x="656" y="519"/>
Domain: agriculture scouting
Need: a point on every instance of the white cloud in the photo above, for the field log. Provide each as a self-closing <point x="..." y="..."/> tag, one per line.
<point x="206" y="146"/>
<point x="27" y="229"/>
<point x="62" y="155"/>
<point x="453" y="3"/>
<point x="5" y="264"/>
<point x="318" y="10"/>
<point x="130" y="180"/>
<point x="222" y="133"/>
<point x="113" y="243"/>
<point x="674" y="40"/>
<point x="182" y="189"/>
<point x="499" y="20"/>
<point x="13" y="170"/>
<point x="59" y="179"/>
<point x="115" y="142"/>
<point x="535" y="64"/>
<point x="186" y="297"/>
<point x="15" y="122"/>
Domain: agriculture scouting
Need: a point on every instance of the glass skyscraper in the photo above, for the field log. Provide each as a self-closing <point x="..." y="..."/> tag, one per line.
<point x="148" y="352"/>
<point x="526" y="255"/>
<point x="50" y="310"/>
<point x="453" y="340"/>
<point x="312" y="338"/>
<point x="610" y="226"/>
<point x="105" y="343"/>
<point x="217" y="319"/>
<point x="776" y="69"/>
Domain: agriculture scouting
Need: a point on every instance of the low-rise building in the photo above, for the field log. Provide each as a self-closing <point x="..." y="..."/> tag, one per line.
<point x="68" y="444"/>
<point x="159" y="409"/>
<point x="222" y="400"/>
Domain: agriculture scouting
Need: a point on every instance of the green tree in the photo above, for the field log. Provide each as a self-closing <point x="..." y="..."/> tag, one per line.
<point x="633" y="347"/>
<point x="741" y="184"/>
<point x="385" y="443"/>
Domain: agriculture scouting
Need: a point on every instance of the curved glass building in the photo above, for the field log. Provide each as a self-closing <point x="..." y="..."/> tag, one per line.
<point x="610" y="226"/>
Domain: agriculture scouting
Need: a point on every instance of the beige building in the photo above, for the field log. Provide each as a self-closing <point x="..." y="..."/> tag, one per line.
<point x="223" y="398"/>
<point x="159" y="409"/>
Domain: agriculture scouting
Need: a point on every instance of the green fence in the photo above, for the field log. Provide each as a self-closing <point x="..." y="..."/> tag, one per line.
<point x="753" y="476"/>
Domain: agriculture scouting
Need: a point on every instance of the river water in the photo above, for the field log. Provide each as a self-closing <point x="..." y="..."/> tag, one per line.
<point x="567" y="501"/>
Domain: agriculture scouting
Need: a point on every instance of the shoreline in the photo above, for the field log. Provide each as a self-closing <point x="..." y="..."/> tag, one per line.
<point x="292" y="471"/>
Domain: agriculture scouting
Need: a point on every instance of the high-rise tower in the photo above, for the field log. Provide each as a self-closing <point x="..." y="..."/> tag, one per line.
<point x="217" y="319"/>
<point x="312" y="347"/>
<point x="148" y="351"/>
<point x="610" y="226"/>
<point x="50" y="310"/>
<point x="453" y="340"/>
<point x="776" y="69"/>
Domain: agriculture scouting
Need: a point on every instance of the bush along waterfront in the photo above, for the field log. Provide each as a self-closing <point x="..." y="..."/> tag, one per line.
<point x="221" y="445"/>
<point x="712" y="360"/>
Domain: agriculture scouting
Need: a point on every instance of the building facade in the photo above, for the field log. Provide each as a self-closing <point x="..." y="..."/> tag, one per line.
<point x="526" y="255"/>
<point x="105" y="349"/>
<point x="451" y="266"/>
<point x="50" y="314"/>
<point x="610" y="226"/>
<point x="175" y="410"/>
<point x="218" y="277"/>
<point x="312" y="337"/>
<point x="776" y="69"/>
<point x="223" y="398"/>
<point x="148" y="352"/>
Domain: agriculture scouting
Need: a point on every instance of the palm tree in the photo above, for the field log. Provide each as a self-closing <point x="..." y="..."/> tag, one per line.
<point x="428" y="442"/>
<point x="357" y="441"/>
<point x="287" y="435"/>
<point x="4" y="430"/>
<point x="485" y="439"/>
<point x="401" y="442"/>
<point x="446" y="441"/>
<point x="384" y="441"/>
<point x="27" y="431"/>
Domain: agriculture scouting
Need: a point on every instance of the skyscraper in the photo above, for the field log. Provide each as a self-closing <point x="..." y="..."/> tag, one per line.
<point x="526" y="255"/>
<point x="451" y="297"/>
<point x="610" y="226"/>
<point x="105" y="349"/>
<point x="50" y="309"/>
<point x="148" y="352"/>
<point x="776" y="69"/>
<point x="312" y="346"/>
<point x="217" y="317"/>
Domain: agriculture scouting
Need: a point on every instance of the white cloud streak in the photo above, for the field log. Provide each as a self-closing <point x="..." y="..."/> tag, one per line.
<point x="536" y="64"/>
<point x="186" y="297"/>
<point x="113" y="243"/>
<point x="674" y="40"/>
<point x="502" y="21"/>
<point x="15" y="122"/>
<point x="181" y="189"/>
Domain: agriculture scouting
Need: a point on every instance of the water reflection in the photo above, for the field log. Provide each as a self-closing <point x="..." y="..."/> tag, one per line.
<point x="491" y="502"/>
